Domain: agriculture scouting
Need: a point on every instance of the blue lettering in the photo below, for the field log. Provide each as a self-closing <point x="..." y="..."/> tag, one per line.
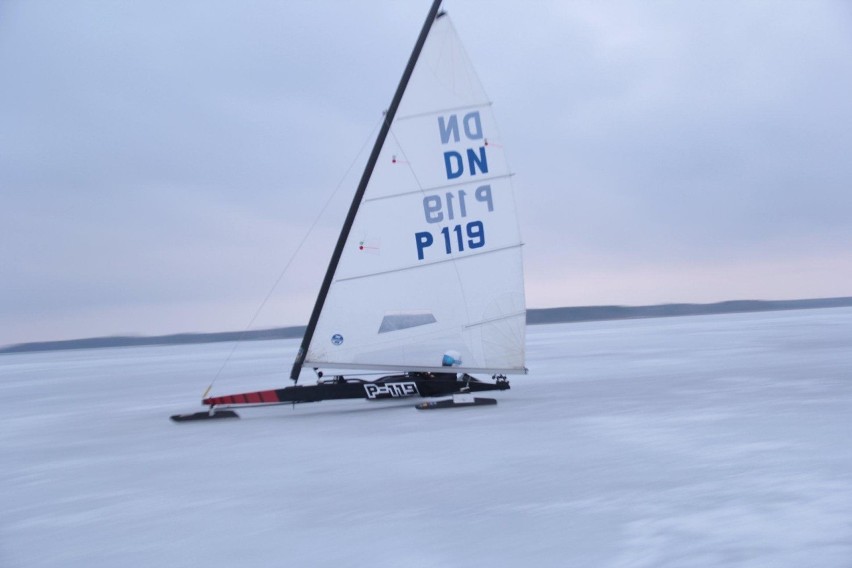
<point x="475" y="234"/>
<point x="449" y="128"/>
<point x="432" y="209"/>
<point x="454" y="164"/>
<point x="424" y="239"/>
<point x="483" y="194"/>
<point x="473" y="160"/>
<point x="472" y="126"/>
<point x="454" y="238"/>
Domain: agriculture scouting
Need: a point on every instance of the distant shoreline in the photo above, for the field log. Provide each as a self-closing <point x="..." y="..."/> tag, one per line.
<point x="534" y="317"/>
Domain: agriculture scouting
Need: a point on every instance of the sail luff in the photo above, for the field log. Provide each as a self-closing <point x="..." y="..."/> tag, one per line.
<point x="362" y="187"/>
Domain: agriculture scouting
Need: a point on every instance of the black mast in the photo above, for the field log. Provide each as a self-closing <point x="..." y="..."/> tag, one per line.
<point x="362" y="187"/>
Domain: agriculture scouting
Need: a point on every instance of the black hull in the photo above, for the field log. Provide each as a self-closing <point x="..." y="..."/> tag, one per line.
<point x="339" y="388"/>
<point x="206" y="415"/>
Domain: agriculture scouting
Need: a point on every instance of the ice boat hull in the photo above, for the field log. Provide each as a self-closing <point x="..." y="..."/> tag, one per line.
<point x="338" y="388"/>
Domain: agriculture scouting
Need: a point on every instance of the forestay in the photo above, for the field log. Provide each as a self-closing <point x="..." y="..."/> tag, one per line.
<point x="433" y="260"/>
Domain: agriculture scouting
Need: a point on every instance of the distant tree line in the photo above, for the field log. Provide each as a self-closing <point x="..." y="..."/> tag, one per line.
<point x="534" y="317"/>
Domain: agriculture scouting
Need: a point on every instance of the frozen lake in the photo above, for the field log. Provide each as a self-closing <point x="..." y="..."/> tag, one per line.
<point x="693" y="441"/>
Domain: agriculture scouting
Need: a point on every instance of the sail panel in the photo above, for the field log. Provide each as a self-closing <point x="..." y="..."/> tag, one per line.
<point x="417" y="229"/>
<point x="438" y="149"/>
<point x="445" y="77"/>
<point x="439" y="197"/>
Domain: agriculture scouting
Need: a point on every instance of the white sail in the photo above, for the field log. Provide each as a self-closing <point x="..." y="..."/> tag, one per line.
<point x="433" y="260"/>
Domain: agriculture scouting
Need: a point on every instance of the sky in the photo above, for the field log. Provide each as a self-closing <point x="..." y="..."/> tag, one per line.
<point x="162" y="162"/>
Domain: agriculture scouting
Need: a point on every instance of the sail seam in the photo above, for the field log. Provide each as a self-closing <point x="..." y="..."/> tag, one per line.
<point x="443" y="111"/>
<point x="433" y="263"/>
<point x="439" y="187"/>
<point x="499" y="318"/>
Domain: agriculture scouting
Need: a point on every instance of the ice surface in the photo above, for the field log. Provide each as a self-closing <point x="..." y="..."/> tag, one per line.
<point x="694" y="441"/>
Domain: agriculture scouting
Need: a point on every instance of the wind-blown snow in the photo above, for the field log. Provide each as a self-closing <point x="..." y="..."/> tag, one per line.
<point x="694" y="441"/>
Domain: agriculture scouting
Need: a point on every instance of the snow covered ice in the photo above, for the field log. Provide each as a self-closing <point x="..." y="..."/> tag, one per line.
<point x="693" y="441"/>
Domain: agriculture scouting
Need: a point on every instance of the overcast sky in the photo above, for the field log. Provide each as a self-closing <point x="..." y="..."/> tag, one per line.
<point x="160" y="161"/>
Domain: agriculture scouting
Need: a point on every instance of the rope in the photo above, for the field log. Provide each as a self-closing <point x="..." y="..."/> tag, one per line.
<point x="298" y="249"/>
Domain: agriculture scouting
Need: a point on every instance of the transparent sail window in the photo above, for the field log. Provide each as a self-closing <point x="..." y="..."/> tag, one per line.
<point x="396" y="322"/>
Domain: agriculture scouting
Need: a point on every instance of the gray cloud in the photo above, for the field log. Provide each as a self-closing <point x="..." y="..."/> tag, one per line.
<point x="159" y="162"/>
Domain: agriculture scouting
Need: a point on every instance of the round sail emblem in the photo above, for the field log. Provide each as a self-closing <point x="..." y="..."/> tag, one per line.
<point x="337" y="339"/>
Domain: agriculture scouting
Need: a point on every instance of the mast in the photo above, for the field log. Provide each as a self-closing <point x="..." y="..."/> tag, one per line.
<point x="362" y="188"/>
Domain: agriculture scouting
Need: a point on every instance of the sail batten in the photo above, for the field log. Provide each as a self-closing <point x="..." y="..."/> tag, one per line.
<point x="429" y="265"/>
<point x="445" y="111"/>
<point x="437" y="188"/>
